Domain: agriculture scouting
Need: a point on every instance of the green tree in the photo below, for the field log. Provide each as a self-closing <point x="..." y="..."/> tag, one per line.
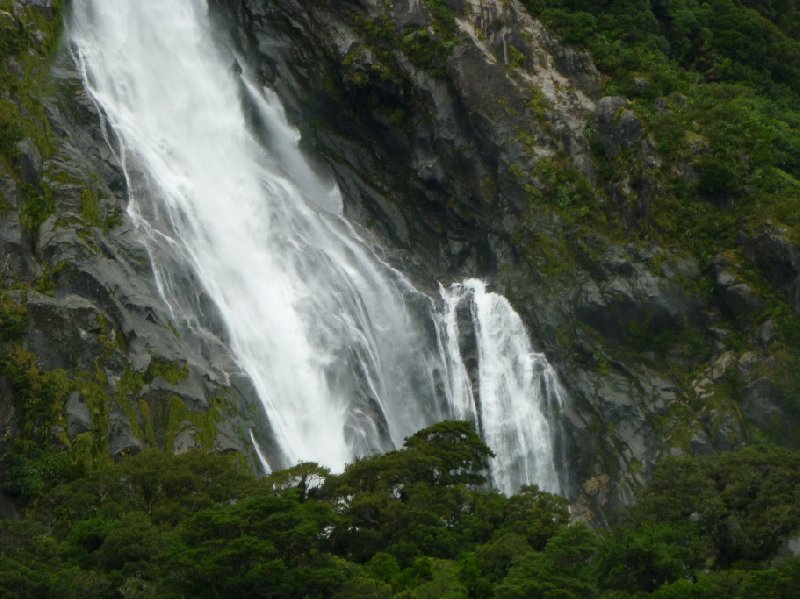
<point x="563" y="570"/>
<point x="649" y="556"/>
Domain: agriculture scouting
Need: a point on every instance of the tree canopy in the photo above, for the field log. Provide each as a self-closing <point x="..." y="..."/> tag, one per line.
<point x="417" y="522"/>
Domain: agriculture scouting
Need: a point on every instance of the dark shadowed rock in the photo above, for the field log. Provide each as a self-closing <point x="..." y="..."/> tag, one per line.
<point x="617" y="127"/>
<point x="740" y="300"/>
<point x="78" y="416"/>
<point x="66" y="332"/>
<point x="121" y="440"/>
<point x="737" y="298"/>
<point x="628" y="297"/>
<point x="29" y="162"/>
<point x="778" y="259"/>
<point x="767" y="333"/>
<point x="761" y="403"/>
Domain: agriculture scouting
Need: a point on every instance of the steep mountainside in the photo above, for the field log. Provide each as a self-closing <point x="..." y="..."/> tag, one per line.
<point x="647" y="239"/>
<point x="92" y="362"/>
<point x="631" y="213"/>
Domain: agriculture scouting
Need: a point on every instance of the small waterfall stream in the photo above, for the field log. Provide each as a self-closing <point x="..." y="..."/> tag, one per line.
<point x="347" y="356"/>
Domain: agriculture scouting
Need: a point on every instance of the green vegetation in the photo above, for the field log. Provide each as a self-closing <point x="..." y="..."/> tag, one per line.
<point x="10" y="132"/>
<point x="718" y="83"/>
<point x="715" y="85"/>
<point x="429" y="48"/>
<point x="738" y="503"/>
<point x="170" y="372"/>
<point x="13" y="318"/>
<point x="28" y="39"/>
<point x="90" y="207"/>
<point x="747" y="41"/>
<point x="37" y="205"/>
<point x="566" y="188"/>
<point x="31" y="461"/>
<point x="41" y="454"/>
<point x="412" y="523"/>
<point x="426" y="47"/>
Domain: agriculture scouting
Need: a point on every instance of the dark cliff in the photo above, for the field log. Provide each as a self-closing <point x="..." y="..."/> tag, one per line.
<point x="473" y="141"/>
<point x="469" y="141"/>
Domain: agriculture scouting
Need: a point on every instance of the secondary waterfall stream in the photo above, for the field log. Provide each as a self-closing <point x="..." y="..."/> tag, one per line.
<point x="347" y="356"/>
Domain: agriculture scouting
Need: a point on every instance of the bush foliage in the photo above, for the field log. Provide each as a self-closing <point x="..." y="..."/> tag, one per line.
<point x="419" y="522"/>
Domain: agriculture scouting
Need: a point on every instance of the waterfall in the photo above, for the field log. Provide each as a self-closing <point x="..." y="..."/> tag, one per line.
<point x="346" y="355"/>
<point x="515" y="397"/>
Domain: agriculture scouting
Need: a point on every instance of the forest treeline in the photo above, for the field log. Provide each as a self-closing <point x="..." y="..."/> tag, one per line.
<point x="417" y="522"/>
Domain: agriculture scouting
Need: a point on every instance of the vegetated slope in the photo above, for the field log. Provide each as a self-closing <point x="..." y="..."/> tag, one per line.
<point x="717" y="86"/>
<point x="92" y="367"/>
<point x="92" y="364"/>
<point x="632" y="191"/>
<point x="410" y="523"/>
<point x="625" y="172"/>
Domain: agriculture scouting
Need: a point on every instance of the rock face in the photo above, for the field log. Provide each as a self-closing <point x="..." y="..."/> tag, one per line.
<point x="468" y="139"/>
<point x="96" y="340"/>
<point x="778" y="260"/>
<point x="469" y="142"/>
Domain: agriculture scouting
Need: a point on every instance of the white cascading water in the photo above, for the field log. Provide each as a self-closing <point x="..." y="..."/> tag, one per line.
<point x="518" y="395"/>
<point x="346" y="355"/>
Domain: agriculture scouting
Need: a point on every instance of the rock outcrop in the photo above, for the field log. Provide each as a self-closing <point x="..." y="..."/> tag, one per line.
<point x="469" y="140"/>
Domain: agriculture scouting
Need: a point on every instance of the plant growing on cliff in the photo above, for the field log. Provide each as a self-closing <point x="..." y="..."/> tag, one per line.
<point x="13" y="318"/>
<point x="392" y="526"/>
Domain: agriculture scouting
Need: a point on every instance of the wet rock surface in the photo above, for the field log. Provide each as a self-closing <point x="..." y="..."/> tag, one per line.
<point x="441" y="159"/>
<point x="84" y="281"/>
